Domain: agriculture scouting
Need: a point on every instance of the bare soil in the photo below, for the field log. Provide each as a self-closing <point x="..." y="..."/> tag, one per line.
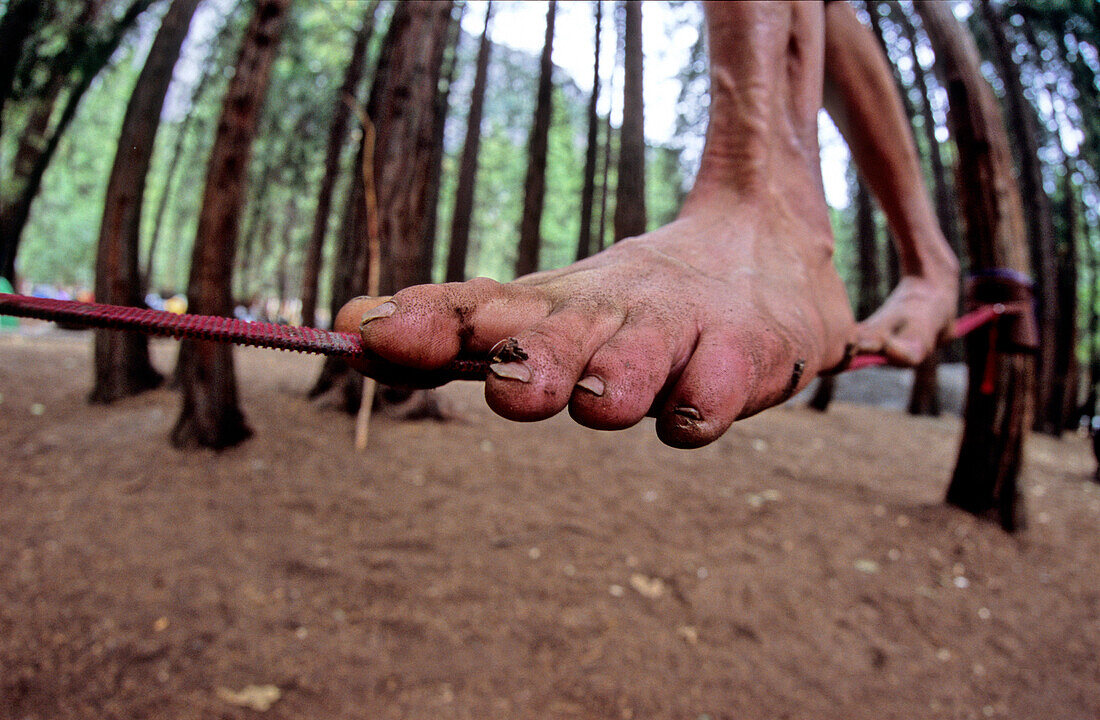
<point x="800" y="567"/>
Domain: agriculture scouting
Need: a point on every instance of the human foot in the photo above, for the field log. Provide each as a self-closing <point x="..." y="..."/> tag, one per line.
<point x="712" y="318"/>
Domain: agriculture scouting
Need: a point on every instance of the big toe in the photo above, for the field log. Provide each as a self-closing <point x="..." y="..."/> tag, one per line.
<point x="427" y="326"/>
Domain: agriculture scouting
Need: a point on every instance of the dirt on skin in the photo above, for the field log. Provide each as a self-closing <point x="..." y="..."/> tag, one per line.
<point x="800" y="567"/>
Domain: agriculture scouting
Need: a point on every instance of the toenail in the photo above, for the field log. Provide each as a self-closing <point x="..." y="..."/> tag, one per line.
<point x="687" y="412"/>
<point x="512" y="371"/>
<point x="382" y="311"/>
<point x="592" y="384"/>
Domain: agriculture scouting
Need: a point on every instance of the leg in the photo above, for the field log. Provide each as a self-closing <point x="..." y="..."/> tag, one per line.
<point x="724" y="312"/>
<point x="862" y="98"/>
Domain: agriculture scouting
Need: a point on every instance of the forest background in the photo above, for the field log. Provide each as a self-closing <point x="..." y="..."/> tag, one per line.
<point x="72" y="68"/>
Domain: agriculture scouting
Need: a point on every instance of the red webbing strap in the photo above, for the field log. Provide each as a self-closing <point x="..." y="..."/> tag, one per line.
<point x="197" y="327"/>
<point x="312" y="340"/>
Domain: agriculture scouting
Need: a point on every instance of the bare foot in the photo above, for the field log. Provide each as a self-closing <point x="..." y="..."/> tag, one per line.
<point x="723" y="313"/>
<point x="914" y="319"/>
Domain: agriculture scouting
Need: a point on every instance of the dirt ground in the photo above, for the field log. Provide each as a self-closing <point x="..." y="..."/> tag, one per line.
<point x="800" y="567"/>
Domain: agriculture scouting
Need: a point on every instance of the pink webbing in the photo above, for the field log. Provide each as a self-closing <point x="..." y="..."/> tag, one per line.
<point x="197" y="327"/>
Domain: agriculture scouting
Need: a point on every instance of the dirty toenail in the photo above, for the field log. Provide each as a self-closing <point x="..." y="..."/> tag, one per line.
<point x="687" y="412"/>
<point x="592" y="384"/>
<point x="512" y="371"/>
<point x="382" y="311"/>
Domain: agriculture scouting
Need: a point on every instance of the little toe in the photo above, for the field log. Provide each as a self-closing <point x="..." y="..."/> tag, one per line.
<point x="623" y="377"/>
<point x="538" y="381"/>
<point x="709" y="395"/>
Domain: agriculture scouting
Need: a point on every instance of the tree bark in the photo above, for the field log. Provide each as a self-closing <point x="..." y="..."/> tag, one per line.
<point x="588" y="190"/>
<point x="338" y="132"/>
<point x="1067" y="371"/>
<point x="467" y="169"/>
<point x="404" y="119"/>
<point x="530" y="239"/>
<point x="210" y="416"/>
<point x="1040" y="228"/>
<point x="402" y="108"/>
<point x="15" y="207"/>
<point x="122" y="366"/>
<point x="870" y="283"/>
<point x="630" y="212"/>
<point x="440" y="109"/>
<point x="999" y="399"/>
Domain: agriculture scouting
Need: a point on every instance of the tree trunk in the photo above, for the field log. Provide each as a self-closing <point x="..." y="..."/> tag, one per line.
<point x="588" y="191"/>
<point x="285" y="245"/>
<point x="530" y="240"/>
<point x="338" y="384"/>
<point x="462" y="215"/>
<point x="15" y="29"/>
<point x="337" y="134"/>
<point x="1066" y="370"/>
<point x="15" y="205"/>
<point x="210" y="416"/>
<point x="402" y="107"/>
<point x="605" y="184"/>
<point x="435" y="167"/>
<point x="630" y="214"/>
<point x="870" y="284"/>
<point x="122" y="366"/>
<point x="823" y="396"/>
<point x="1040" y="228"/>
<point x="404" y="119"/>
<point x="999" y="399"/>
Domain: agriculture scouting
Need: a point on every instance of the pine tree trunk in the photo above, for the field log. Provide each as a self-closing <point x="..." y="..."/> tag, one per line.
<point x="999" y="399"/>
<point x="534" y="187"/>
<point x="870" y="294"/>
<point x="122" y="366"/>
<point x="435" y="165"/>
<point x="605" y="173"/>
<point x="210" y="416"/>
<point x="404" y="120"/>
<point x="402" y="108"/>
<point x="338" y="132"/>
<point x="630" y="213"/>
<point x="588" y="190"/>
<point x="1040" y="228"/>
<point x="467" y="169"/>
<point x="823" y="396"/>
<point x="1067" y="370"/>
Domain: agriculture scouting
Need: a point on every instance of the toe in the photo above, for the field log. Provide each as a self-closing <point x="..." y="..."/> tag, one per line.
<point x="709" y="395"/>
<point x="538" y="381"/>
<point x="426" y="326"/>
<point x="623" y="377"/>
